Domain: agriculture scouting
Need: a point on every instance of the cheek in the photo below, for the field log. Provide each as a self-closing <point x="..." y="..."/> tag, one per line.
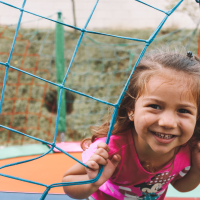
<point x="187" y="130"/>
<point x="143" y="121"/>
<point x="188" y="126"/>
<point x="149" y="119"/>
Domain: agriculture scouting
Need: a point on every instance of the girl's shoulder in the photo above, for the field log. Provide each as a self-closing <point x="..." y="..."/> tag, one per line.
<point x="123" y="136"/>
<point x="183" y="155"/>
<point x="117" y="141"/>
<point x="182" y="162"/>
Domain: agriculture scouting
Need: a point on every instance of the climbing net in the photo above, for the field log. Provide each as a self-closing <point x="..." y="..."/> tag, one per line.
<point x="9" y="68"/>
<point x="30" y="104"/>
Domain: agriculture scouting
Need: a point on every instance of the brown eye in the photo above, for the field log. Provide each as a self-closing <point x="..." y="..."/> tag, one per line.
<point x="154" y="106"/>
<point x="183" y="111"/>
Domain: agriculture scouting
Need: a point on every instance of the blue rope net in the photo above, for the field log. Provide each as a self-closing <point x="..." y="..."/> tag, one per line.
<point x="63" y="88"/>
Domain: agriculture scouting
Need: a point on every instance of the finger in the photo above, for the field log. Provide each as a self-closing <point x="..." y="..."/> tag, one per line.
<point x="103" y="145"/>
<point x="102" y="152"/>
<point x="98" y="159"/>
<point x="116" y="159"/>
<point x="197" y="148"/>
<point x="198" y="145"/>
<point x="92" y="165"/>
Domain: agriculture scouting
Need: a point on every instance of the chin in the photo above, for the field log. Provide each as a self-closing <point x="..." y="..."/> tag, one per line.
<point x="161" y="150"/>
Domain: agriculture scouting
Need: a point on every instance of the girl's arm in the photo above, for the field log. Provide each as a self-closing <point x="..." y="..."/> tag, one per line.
<point x="192" y="179"/>
<point x="189" y="182"/>
<point x="80" y="173"/>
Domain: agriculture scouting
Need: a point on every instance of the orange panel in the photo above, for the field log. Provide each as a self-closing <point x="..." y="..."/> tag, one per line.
<point x="47" y="170"/>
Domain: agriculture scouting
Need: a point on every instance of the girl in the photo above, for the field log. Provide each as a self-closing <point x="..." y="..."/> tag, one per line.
<point x="155" y="140"/>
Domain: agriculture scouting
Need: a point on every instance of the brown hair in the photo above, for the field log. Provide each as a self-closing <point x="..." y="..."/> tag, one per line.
<point x="150" y="65"/>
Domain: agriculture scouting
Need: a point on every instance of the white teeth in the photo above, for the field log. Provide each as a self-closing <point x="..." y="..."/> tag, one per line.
<point x="164" y="136"/>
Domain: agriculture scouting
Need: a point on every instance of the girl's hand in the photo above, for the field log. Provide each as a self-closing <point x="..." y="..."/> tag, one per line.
<point x="100" y="157"/>
<point x="196" y="160"/>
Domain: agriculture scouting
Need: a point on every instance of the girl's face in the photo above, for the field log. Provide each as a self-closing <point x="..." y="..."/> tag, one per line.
<point x="165" y="115"/>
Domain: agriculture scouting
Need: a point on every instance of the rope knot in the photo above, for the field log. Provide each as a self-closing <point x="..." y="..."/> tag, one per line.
<point x="53" y="145"/>
<point x="61" y="86"/>
<point x="147" y="43"/>
<point x="7" y="64"/>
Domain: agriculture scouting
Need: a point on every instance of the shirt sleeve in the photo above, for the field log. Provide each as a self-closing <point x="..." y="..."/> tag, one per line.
<point x="183" y="173"/>
<point x="91" y="150"/>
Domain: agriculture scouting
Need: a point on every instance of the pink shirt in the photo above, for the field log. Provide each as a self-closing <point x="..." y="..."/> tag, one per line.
<point x="130" y="180"/>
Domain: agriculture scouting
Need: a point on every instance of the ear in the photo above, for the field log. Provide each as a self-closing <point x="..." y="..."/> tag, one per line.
<point x="130" y="115"/>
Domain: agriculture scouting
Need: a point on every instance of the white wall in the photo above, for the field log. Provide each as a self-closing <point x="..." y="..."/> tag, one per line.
<point x="114" y="14"/>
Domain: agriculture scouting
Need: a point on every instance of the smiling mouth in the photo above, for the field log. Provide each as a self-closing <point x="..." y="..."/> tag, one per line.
<point x="163" y="136"/>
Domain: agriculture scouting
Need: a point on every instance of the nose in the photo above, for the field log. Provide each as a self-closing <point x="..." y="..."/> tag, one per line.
<point x="168" y="120"/>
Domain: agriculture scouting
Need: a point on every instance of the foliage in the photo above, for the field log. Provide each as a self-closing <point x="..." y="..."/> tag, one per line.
<point x="189" y="7"/>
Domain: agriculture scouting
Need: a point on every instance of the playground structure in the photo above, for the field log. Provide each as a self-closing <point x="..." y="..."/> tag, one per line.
<point x="95" y="99"/>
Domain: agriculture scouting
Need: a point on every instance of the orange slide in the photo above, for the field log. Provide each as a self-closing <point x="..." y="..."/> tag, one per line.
<point x="48" y="170"/>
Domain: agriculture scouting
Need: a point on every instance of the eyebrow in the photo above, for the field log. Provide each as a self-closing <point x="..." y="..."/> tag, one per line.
<point x="159" y="101"/>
